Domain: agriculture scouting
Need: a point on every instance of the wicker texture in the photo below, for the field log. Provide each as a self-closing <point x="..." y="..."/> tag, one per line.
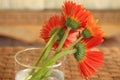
<point x="110" y="70"/>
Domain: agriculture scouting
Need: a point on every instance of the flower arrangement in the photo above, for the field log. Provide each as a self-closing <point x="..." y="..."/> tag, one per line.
<point x="75" y="33"/>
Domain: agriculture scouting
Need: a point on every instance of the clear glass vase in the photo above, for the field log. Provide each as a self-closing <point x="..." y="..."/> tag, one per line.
<point x="25" y="59"/>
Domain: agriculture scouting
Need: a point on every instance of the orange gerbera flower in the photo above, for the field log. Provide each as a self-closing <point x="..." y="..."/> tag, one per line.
<point x="88" y="59"/>
<point x="92" y="59"/>
<point x="51" y="26"/>
<point x="93" y="35"/>
<point x="76" y="15"/>
<point x="94" y="28"/>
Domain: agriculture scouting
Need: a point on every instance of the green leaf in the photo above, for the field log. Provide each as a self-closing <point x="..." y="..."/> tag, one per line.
<point x="72" y="23"/>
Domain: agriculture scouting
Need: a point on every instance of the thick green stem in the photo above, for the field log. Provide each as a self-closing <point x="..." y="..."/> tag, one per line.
<point x="63" y="40"/>
<point x="48" y="50"/>
<point x="63" y="53"/>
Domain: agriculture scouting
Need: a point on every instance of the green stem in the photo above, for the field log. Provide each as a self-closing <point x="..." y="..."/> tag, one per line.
<point x="49" y="43"/>
<point x="49" y="62"/>
<point x="57" y="56"/>
<point x="40" y="73"/>
<point x="47" y="47"/>
<point x="48" y="50"/>
<point x="63" y="53"/>
<point x="63" y="40"/>
<point x="45" y="75"/>
<point x="52" y="60"/>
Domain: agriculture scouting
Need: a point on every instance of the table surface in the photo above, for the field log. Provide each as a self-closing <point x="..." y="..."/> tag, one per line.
<point x="110" y="70"/>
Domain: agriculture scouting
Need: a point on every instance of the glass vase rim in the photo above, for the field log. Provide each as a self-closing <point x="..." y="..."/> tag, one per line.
<point x="30" y="66"/>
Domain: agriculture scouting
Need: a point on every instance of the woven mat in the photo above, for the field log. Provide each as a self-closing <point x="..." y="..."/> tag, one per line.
<point x="110" y="70"/>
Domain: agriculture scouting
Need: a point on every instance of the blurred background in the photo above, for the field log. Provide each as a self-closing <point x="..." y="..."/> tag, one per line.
<point x="21" y="20"/>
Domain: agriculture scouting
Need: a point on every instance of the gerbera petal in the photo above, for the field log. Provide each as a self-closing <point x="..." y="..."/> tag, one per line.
<point x="83" y="69"/>
<point x="95" y="58"/>
<point x="93" y="41"/>
<point x="92" y="69"/>
<point x="94" y="28"/>
<point x="86" y="68"/>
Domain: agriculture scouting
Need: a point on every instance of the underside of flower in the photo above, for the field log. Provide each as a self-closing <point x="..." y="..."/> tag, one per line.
<point x="88" y="59"/>
<point x="50" y="27"/>
<point x="94" y="29"/>
<point x="80" y="53"/>
<point x="76" y="15"/>
<point x="92" y="34"/>
<point x="88" y="66"/>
